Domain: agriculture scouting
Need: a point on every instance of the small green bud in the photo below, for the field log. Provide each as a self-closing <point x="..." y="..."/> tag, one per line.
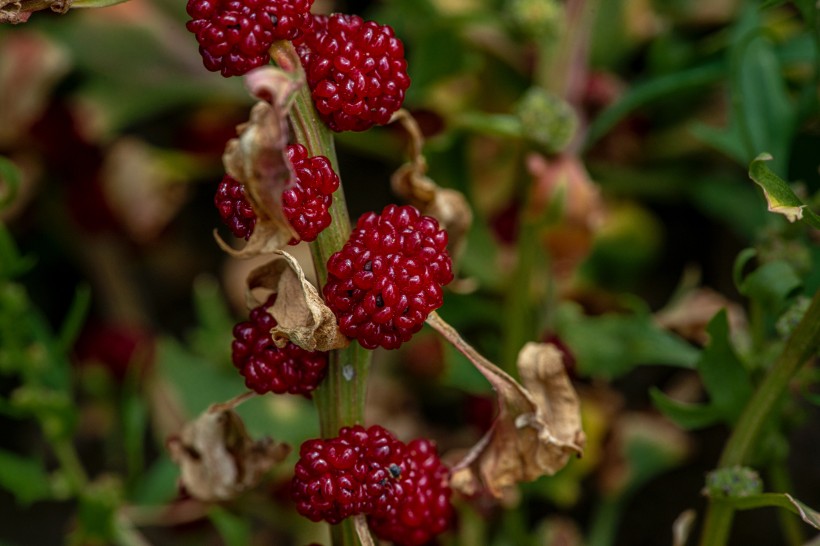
<point x="794" y="314"/>
<point x="547" y="121"/>
<point x="735" y="482"/>
<point x="537" y="19"/>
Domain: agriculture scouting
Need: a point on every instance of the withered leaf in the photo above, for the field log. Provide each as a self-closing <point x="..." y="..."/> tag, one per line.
<point x="257" y="159"/>
<point x="538" y="426"/>
<point x="446" y="205"/>
<point x="301" y="315"/>
<point x="218" y="459"/>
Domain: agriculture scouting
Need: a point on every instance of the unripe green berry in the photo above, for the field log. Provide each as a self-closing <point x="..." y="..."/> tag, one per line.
<point x="547" y="121"/>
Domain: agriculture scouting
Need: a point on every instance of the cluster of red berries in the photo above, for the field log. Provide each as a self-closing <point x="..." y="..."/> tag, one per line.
<point x="355" y="69"/>
<point x="402" y="488"/>
<point x="235" y="35"/>
<point x="387" y="278"/>
<point x="268" y="368"/>
<point x="305" y="202"/>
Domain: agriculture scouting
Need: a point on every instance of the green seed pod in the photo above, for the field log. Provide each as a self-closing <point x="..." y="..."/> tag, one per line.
<point x="547" y="121"/>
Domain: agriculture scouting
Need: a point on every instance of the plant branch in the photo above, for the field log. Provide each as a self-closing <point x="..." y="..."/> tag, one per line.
<point x="341" y="396"/>
<point x="801" y="345"/>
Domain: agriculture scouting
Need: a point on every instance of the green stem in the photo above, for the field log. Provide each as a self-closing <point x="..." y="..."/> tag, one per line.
<point x="803" y="343"/>
<point x="70" y="464"/>
<point x="604" y="526"/>
<point x="341" y="397"/>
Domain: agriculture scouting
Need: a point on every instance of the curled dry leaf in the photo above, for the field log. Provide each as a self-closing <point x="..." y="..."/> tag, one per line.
<point x="257" y="158"/>
<point x="564" y="177"/>
<point x="689" y="315"/>
<point x="301" y="315"/>
<point x="538" y="426"/>
<point x="446" y="205"/>
<point x="218" y="459"/>
<point x="144" y="190"/>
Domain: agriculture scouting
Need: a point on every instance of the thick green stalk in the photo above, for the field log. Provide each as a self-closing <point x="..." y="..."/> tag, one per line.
<point x="801" y="345"/>
<point x="341" y="396"/>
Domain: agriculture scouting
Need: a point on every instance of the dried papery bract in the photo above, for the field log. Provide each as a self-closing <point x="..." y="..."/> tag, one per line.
<point x="218" y="459"/>
<point x="257" y="158"/>
<point x="446" y="205"/>
<point x="538" y="426"/>
<point x="301" y="314"/>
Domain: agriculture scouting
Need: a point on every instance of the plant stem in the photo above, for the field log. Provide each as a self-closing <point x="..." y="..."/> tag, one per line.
<point x="801" y="345"/>
<point x="341" y="396"/>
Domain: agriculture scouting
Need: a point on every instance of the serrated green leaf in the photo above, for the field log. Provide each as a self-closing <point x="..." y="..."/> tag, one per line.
<point x="724" y="375"/>
<point x="25" y="478"/>
<point x="780" y="197"/>
<point x="611" y="345"/>
<point x="686" y="416"/>
<point x="779" y="500"/>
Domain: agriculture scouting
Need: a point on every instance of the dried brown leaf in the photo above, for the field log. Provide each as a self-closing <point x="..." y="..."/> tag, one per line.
<point x="257" y="158"/>
<point x="301" y="315"/>
<point x="446" y="205"/>
<point x="218" y="459"/>
<point x="144" y="190"/>
<point x="538" y="426"/>
<point x="30" y="67"/>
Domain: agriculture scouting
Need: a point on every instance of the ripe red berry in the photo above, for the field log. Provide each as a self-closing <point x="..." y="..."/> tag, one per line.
<point x="234" y="35"/>
<point x="267" y="368"/>
<point x="424" y="510"/>
<point x="387" y="278"/>
<point x="305" y="202"/>
<point x="355" y="69"/>
<point x="234" y="209"/>
<point x="353" y="473"/>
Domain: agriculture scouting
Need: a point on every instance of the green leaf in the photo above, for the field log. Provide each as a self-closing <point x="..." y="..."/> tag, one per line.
<point x="723" y="374"/>
<point x="75" y="319"/>
<point x="158" y="484"/>
<point x="611" y="345"/>
<point x="9" y="182"/>
<point x="234" y="530"/>
<point x="771" y="285"/>
<point x="25" y="478"/>
<point x="780" y="197"/>
<point x="686" y="416"/>
<point x="212" y="337"/>
<point x="779" y="500"/>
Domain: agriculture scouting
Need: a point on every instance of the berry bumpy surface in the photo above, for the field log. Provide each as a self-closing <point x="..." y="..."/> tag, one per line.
<point x="305" y="202"/>
<point x="234" y="209"/>
<point x="268" y="368"/>
<point x="424" y="511"/>
<point x="356" y="71"/>
<point x="234" y="35"/>
<point x="387" y="278"/>
<point x="353" y="473"/>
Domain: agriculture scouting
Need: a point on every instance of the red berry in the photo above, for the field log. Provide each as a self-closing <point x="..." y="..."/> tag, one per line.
<point x="354" y="473"/>
<point x="234" y="35"/>
<point x="387" y="278"/>
<point x="234" y="209"/>
<point x="267" y="368"/>
<point x="306" y="202"/>
<point x="424" y="511"/>
<point x="355" y="69"/>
